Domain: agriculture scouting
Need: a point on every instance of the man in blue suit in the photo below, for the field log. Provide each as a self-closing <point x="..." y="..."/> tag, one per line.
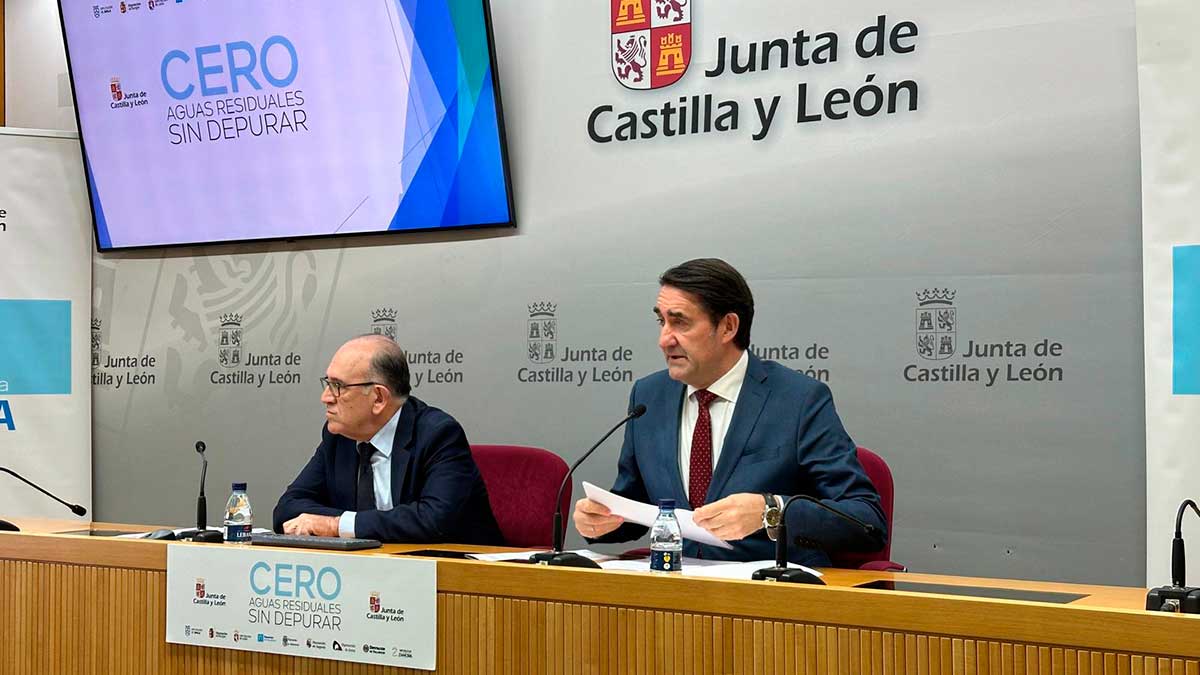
<point x="389" y="467"/>
<point x="734" y="436"/>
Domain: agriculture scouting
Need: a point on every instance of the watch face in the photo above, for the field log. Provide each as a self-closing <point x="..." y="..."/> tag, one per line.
<point x="772" y="517"/>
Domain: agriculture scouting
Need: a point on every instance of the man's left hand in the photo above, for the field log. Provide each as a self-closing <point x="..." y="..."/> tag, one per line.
<point x="734" y="517"/>
<point x="321" y="526"/>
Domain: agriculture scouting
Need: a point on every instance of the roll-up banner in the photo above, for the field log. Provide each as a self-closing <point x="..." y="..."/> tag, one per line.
<point x="45" y="286"/>
<point x="1168" y="63"/>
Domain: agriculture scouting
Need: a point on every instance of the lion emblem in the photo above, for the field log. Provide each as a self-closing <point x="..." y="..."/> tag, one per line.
<point x="631" y="57"/>
<point x="664" y="7"/>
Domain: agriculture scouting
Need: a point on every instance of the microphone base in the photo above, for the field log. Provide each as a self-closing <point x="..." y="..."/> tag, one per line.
<point x="202" y="536"/>
<point x="208" y="537"/>
<point x="787" y="575"/>
<point x="6" y="526"/>
<point x="561" y="559"/>
<point x="1176" y="599"/>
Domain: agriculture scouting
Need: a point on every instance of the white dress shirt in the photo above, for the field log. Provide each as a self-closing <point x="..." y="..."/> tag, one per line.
<point x="381" y="471"/>
<point x="727" y="388"/>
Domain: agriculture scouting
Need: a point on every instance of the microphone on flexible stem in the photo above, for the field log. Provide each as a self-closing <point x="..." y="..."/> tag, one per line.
<point x="556" y="556"/>
<point x="202" y="501"/>
<point x="1177" y="597"/>
<point x="795" y="575"/>
<point x="6" y="526"/>
<point x="202" y="534"/>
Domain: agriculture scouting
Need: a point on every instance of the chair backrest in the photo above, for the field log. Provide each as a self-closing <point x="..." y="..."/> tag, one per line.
<point x="521" y="483"/>
<point x="881" y="477"/>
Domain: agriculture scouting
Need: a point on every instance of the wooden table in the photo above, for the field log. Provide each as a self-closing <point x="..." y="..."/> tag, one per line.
<point x="78" y="604"/>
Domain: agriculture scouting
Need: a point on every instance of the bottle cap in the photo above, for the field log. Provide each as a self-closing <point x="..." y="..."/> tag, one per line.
<point x="666" y="504"/>
<point x="239" y="487"/>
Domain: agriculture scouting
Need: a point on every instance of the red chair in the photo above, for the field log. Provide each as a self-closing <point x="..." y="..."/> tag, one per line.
<point x="881" y="477"/>
<point x="521" y="484"/>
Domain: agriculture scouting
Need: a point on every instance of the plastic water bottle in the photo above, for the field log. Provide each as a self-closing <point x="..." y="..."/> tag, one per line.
<point x="666" y="542"/>
<point x="238" y="516"/>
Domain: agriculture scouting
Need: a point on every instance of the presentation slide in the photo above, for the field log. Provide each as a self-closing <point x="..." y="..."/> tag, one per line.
<point x="226" y="120"/>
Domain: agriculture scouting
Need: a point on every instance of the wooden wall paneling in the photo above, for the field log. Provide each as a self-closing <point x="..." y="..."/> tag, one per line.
<point x="67" y="618"/>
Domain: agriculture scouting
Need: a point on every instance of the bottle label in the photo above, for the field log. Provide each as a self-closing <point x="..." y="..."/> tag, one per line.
<point x="237" y="533"/>
<point x="666" y="561"/>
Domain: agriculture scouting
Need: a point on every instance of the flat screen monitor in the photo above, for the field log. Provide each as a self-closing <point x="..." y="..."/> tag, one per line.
<point x="208" y="121"/>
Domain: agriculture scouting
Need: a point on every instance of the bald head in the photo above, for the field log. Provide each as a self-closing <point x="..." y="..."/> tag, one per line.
<point x="368" y="379"/>
<point x="385" y="360"/>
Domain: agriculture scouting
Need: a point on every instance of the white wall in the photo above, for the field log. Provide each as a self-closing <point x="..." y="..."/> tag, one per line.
<point x="37" y="92"/>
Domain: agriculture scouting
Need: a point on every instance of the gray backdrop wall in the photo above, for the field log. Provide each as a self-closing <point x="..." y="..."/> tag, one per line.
<point x="1005" y="190"/>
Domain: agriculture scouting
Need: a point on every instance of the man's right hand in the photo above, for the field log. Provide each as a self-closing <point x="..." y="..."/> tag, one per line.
<point x="593" y="519"/>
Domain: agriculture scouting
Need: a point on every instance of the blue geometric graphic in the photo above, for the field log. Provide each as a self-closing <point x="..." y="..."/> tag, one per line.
<point x="35" y="347"/>
<point x="451" y="87"/>
<point x="1185" y="320"/>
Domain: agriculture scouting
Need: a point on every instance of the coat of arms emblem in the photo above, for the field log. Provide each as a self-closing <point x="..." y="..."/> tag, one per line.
<point x="542" y="332"/>
<point x="383" y="322"/>
<point x="97" y="342"/>
<point x="229" y="346"/>
<point x="937" y="324"/>
<point x="651" y="42"/>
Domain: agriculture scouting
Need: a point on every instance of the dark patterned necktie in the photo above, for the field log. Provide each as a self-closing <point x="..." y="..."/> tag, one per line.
<point x="700" y="471"/>
<point x="365" y="493"/>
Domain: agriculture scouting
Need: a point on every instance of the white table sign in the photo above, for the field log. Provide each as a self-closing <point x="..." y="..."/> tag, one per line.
<point x="364" y="609"/>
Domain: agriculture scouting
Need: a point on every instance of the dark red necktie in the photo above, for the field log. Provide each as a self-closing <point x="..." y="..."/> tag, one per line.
<point x="700" y="471"/>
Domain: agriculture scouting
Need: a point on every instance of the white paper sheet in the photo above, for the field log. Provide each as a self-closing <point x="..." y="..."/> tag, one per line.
<point x="524" y="555"/>
<point x="180" y="530"/>
<point x="644" y="514"/>
<point x="696" y="567"/>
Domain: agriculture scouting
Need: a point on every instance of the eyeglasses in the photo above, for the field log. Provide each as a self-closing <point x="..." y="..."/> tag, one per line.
<point x="337" y="387"/>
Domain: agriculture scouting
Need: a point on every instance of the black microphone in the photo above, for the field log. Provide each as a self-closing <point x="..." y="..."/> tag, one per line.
<point x="6" y="526"/>
<point x="1177" y="597"/>
<point x="202" y="534"/>
<point x="202" y="501"/>
<point x="795" y="575"/>
<point x="556" y="556"/>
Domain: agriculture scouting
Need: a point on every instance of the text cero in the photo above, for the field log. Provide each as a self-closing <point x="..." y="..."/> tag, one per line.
<point x="243" y="62"/>
<point x="286" y="580"/>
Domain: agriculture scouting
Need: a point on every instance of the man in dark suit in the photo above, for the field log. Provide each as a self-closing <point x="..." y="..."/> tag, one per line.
<point x="389" y="467"/>
<point x="734" y="436"/>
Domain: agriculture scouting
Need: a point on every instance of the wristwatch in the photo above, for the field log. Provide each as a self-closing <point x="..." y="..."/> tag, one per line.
<point x="772" y="515"/>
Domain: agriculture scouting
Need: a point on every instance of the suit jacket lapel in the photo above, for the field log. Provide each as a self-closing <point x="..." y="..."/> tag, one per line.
<point x="405" y="429"/>
<point x="751" y="400"/>
<point x="668" y="437"/>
